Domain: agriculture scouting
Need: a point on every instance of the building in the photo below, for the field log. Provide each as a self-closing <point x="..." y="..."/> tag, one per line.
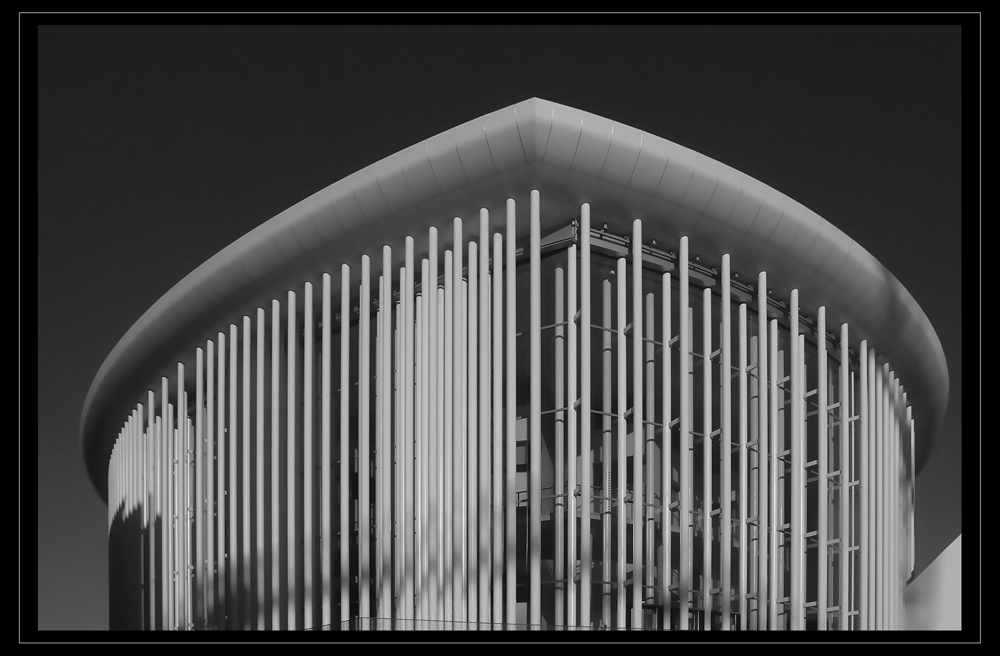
<point x="606" y="308"/>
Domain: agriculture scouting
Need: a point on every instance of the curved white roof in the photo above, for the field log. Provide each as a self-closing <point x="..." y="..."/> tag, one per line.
<point x="571" y="157"/>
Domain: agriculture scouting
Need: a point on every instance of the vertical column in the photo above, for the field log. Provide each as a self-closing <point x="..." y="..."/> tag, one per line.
<point x="308" y="622"/>
<point x="913" y="493"/>
<point x="326" y="463"/>
<point x="510" y="502"/>
<point x="344" y="440"/>
<point x="744" y="561"/>
<point x="762" y="486"/>
<point x="864" y="481"/>
<point x="585" y="416"/>
<point x="220" y="464"/>
<point x="823" y="483"/>
<point x="180" y="501"/>
<point x="571" y="424"/>
<point x="621" y="555"/>
<point x="409" y="486"/>
<point x="706" y="459"/>
<point x="558" y="489"/>
<point x="439" y="513"/>
<point x="458" y="435"/>
<point x="686" y="489"/>
<point x="845" y="482"/>
<point x="423" y="312"/>
<point x="399" y="493"/>
<point x="472" y="439"/>
<point x="498" y="424"/>
<point x="150" y="498"/>
<point x="483" y="494"/>
<point x="535" y="423"/>
<point x="450" y="526"/>
<point x="260" y="550"/>
<point x="276" y="514"/>
<point x="796" y="592"/>
<point x="465" y="339"/>
<point x="773" y="484"/>
<point x="649" y="438"/>
<point x="429" y="289"/>
<point x="637" y="426"/>
<point x="364" y="465"/>
<point x="245" y="471"/>
<point x="291" y="469"/>
<point x="385" y="379"/>
<point x="607" y="412"/>
<point x="726" y="455"/>
<point x="199" y="484"/>
<point x="666" y="467"/>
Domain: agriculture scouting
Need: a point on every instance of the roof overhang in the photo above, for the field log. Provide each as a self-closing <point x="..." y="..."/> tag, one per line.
<point x="571" y="157"/>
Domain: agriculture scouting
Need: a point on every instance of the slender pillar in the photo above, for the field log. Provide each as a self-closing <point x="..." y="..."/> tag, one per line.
<point x="510" y="502"/>
<point x="684" y="497"/>
<point x="291" y="470"/>
<point x="326" y="464"/>
<point x="364" y="463"/>
<point x="706" y="459"/>
<point x="649" y="438"/>
<point x="864" y="484"/>
<point x="744" y="560"/>
<point x="558" y="505"/>
<point x="344" y="441"/>
<point x="845" y="482"/>
<point x="726" y="453"/>
<point x="409" y="486"/>
<point x="448" y="419"/>
<point x="666" y="466"/>
<point x="483" y="494"/>
<point x="276" y="510"/>
<point x="823" y="482"/>
<point x="245" y="568"/>
<point x="308" y="620"/>
<point x="472" y="441"/>
<point x="535" y="424"/>
<point x="586" y="423"/>
<point x="571" y="426"/>
<point x="607" y="412"/>
<point x="773" y="485"/>
<point x="797" y="448"/>
<point x="621" y="555"/>
<point x="637" y="425"/>
<point x="199" y="489"/>
<point x="385" y="444"/>
<point x="763" y="492"/>
<point x="429" y="289"/>
<point x="458" y="435"/>
<point x="498" y="422"/>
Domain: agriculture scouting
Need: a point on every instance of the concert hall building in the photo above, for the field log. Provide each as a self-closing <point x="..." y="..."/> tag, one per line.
<point x="542" y="371"/>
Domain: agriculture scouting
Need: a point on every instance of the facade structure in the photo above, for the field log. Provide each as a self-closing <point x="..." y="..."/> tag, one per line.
<point x="541" y="371"/>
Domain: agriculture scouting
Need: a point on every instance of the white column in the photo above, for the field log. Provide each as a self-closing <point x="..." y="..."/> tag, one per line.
<point x="259" y="483"/>
<point x="448" y="420"/>
<point x="845" y="478"/>
<point x="571" y="425"/>
<point x="510" y="500"/>
<point x="823" y="482"/>
<point x="797" y="448"/>
<point x="220" y="488"/>
<point x="458" y="435"/>
<point x="344" y="441"/>
<point x="308" y="621"/>
<point x="706" y="458"/>
<point x="666" y="466"/>
<point x="245" y="471"/>
<point x="483" y="494"/>
<point x="773" y="483"/>
<point x="498" y="417"/>
<point x="326" y="463"/>
<point x="864" y="483"/>
<point x="686" y="486"/>
<point x="535" y="425"/>
<point x="364" y="464"/>
<point x="744" y="563"/>
<point x="762" y="493"/>
<point x="409" y="484"/>
<point x="199" y="491"/>
<point x="558" y="505"/>
<point x="620" y="554"/>
<point x="637" y="425"/>
<point x="726" y="455"/>
<point x="585" y="416"/>
<point x="472" y="441"/>
<point x="429" y="289"/>
<point x="276" y="510"/>
<point x="649" y="438"/>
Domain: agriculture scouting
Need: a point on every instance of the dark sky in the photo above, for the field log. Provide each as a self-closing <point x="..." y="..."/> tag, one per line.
<point x="158" y="146"/>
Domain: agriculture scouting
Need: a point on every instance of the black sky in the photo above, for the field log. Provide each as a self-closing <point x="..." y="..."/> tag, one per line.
<point x="158" y="146"/>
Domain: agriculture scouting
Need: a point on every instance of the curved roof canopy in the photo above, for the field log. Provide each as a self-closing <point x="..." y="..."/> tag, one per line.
<point x="571" y="157"/>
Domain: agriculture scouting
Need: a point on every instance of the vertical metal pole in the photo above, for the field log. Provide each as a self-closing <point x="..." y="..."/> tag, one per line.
<point x="483" y="494"/>
<point x="706" y="459"/>
<point x="466" y="429"/>
<point x="823" y="481"/>
<point x="762" y="482"/>
<point x="606" y="416"/>
<point x="409" y="486"/>
<point x="385" y="444"/>
<point x="276" y="514"/>
<point x="438" y="479"/>
<point x="378" y="515"/>
<point x="364" y="464"/>
<point x="649" y="439"/>
<point x="448" y="498"/>
<point x="326" y="463"/>
<point x="472" y="439"/>
<point x="558" y="489"/>
<point x="150" y="497"/>
<point x="344" y="441"/>
<point x="429" y="289"/>
<point x="535" y="422"/>
<point x="307" y="458"/>
<point x="458" y="435"/>
<point x="220" y="488"/>
<point x="586" y="471"/>
<point x="637" y="426"/>
<point x="245" y="471"/>
<point x="773" y="485"/>
<point x="666" y="467"/>
<point x="744" y="524"/>
<point x="497" y="505"/>
<point x="572" y="429"/>
<point x="864" y="483"/>
<point x="399" y="493"/>
<point x="199" y="461"/>
<point x="726" y="453"/>
<point x="510" y="523"/>
<point x="180" y="488"/>
<point x="797" y="448"/>
<point x="684" y="497"/>
<point x="621" y="556"/>
<point x="426" y="586"/>
<point x="845" y="478"/>
<point x="261" y="583"/>
<point x="291" y="469"/>
<point x="232" y="488"/>
<point x="913" y="493"/>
